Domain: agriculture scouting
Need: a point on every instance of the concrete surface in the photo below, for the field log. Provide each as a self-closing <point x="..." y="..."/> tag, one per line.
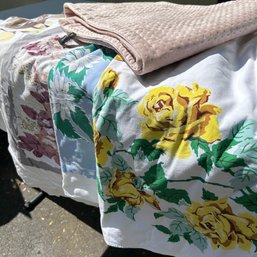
<point x="57" y="227"/>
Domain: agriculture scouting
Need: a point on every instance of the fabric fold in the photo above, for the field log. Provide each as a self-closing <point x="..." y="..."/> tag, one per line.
<point x="152" y="35"/>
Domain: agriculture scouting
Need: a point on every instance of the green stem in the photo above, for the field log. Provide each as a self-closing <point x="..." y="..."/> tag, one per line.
<point x="124" y="151"/>
<point x="229" y="171"/>
<point x="250" y="190"/>
<point x="201" y="180"/>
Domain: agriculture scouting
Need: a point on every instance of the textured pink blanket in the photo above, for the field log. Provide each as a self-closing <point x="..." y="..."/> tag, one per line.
<point x="152" y="35"/>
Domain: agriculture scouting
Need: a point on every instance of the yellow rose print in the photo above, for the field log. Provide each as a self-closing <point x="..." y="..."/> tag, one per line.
<point x="118" y="57"/>
<point x="109" y="78"/>
<point x="4" y="36"/>
<point x="173" y="115"/>
<point x="216" y="221"/>
<point x="102" y="145"/>
<point x="121" y="186"/>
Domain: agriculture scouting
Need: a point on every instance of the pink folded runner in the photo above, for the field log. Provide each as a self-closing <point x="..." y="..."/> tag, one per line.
<point x="151" y="35"/>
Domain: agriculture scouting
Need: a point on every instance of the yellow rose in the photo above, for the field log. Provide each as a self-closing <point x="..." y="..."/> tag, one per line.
<point x="4" y="36"/>
<point x="109" y="78"/>
<point x="173" y="115"/>
<point x="122" y="186"/>
<point x="216" y="220"/>
<point x="102" y="146"/>
<point x="118" y="57"/>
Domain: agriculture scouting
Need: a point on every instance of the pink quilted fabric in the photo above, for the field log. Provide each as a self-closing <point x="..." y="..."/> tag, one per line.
<point x="152" y="35"/>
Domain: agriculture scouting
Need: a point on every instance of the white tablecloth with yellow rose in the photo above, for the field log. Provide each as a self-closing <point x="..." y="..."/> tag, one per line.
<point x="177" y="154"/>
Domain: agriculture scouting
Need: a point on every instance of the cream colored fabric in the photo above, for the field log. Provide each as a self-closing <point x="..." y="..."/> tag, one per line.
<point x="152" y="35"/>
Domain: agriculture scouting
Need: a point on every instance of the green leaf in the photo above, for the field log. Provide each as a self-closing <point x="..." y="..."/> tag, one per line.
<point x="119" y="162"/>
<point x="130" y="212"/>
<point x="121" y="205"/>
<point x="188" y="238"/>
<point x="123" y="97"/>
<point x="255" y="244"/>
<point x="155" y="177"/>
<point x="199" y="240"/>
<point x="223" y="146"/>
<point x="179" y="227"/>
<point x="65" y="126"/>
<point x="155" y="154"/>
<point x="108" y="92"/>
<point x="228" y="161"/>
<point x="209" y="196"/>
<point x="148" y="148"/>
<point x="97" y="103"/>
<point x="158" y="215"/>
<point x="173" y="195"/>
<point x="107" y="126"/>
<point x="50" y="77"/>
<point x="174" y="238"/>
<point x="112" y="208"/>
<point x="105" y="176"/>
<point x="249" y="201"/>
<point x="112" y="200"/>
<point x="199" y="143"/>
<point x="76" y="92"/>
<point x="244" y="130"/>
<point x="205" y="162"/>
<point x="163" y="229"/>
<point x="248" y="151"/>
<point x="99" y="188"/>
<point x="172" y="213"/>
<point x="80" y="118"/>
<point x="246" y="177"/>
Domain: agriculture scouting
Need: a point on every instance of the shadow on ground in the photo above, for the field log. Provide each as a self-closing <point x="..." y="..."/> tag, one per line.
<point x="12" y="203"/>
<point x="11" y="198"/>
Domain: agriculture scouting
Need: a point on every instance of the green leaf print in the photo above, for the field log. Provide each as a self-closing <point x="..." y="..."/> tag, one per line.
<point x="155" y="178"/>
<point x="99" y="188"/>
<point x="65" y="126"/>
<point x="199" y="240"/>
<point x="249" y="201"/>
<point x="180" y="227"/>
<point x="97" y="102"/>
<point x="130" y="211"/>
<point x="117" y="202"/>
<point x="50" y="78"/>
<point x="228" y="161"/>
<point x="121" y="204"/>
<point x="187" y="237"/>
<point x="108" y="92"/>
<point x="112" y="208"/>
<point x="147" y="147"/>
<point x="107" y="126"/>
<point x="223" y="146"/>
<point x="198" y="143"/>
<point x="105" y="176"/>
<point x="163" y="229"/>
<point x="112" y="200"/>
<point x="76" y="92"/>
<point x="173" y="195"/>
<point x="209" y="196"/>
<point x="249" y="151"/>
<point x="174" y="238"/>
<point x="243" y="130"/>
<point x="255" y="244"/>
<point x="172" y="213"/>
<point x="122" y="98"/>
<point x="246" y="177"/>
<point x="119" y="162"/>
<point x="80" y="118"/>
<point x="205" y="161"/>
